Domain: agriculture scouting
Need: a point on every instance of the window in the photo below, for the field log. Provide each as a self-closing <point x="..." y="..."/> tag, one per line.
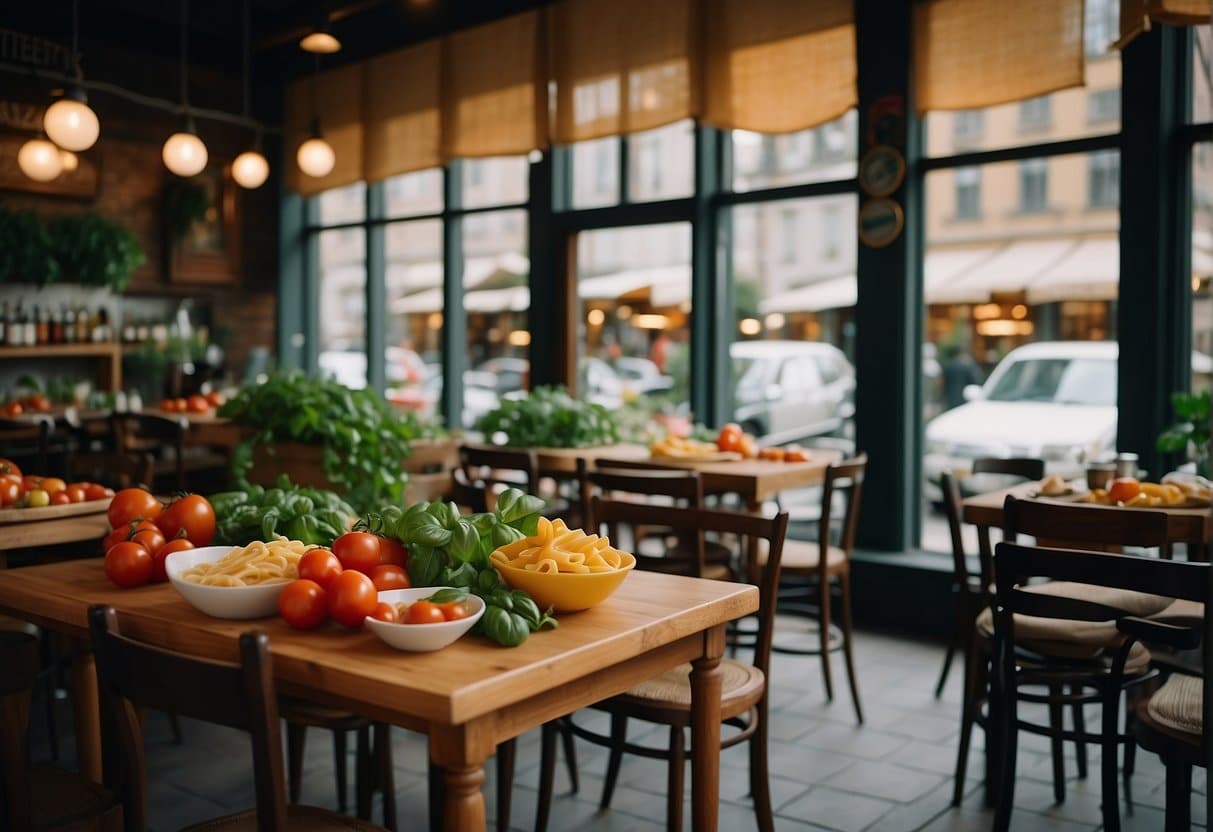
<point x="968" y="126"/>
<point x="595" y="172"/>
<point x="1103" y="105"/>
<point x="501" y="180"/>
<point x="832" y="231"/>
<point x="1033" y="185"/>
<point x="821" y="154"/>
<point x="1202" y="76"/>
<point x="413" y="278"/>
<point x="1035" y="113"/>
<point x="342" y="275"/>
<point x="1202" y="265"/>
<point x="787" y="235"/>
<point x="1101" y="27"/>
<point x="342" y="205"/>
<point x="662" y="162"/>
<point x="968" y="193"/>
<point x="1103" y="179"/>
<point x="414" y="193"/>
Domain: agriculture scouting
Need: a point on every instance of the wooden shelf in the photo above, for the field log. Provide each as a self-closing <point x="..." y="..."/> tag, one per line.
<point x="109" y="356"/>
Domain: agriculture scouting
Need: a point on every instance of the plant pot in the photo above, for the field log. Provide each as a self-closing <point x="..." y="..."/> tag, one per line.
<point x="304" y="464"/>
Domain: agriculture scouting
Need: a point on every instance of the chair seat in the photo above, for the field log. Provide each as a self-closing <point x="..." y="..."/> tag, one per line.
<point x="319" y="716"/>
<point x="298" y="819"/>
<point x="741" y="688"/>
<point x="1082" y="640"/>
<point x="1181" y="610"/>
<point x="64" y="800"/>
<point x="804" y="556"/>
<point x="1177" y="705"/>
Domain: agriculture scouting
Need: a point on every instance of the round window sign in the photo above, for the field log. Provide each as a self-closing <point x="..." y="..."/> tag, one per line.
<point x="880" y="222"/>
<point x="882" y="170"/>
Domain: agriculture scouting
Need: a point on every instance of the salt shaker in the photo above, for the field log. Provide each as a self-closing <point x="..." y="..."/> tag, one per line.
<point x="1126" y="465"/>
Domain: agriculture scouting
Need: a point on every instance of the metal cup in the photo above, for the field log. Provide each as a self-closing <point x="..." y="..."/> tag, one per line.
<point x="1126" y="465"/>
<point x="1100" y="474"/>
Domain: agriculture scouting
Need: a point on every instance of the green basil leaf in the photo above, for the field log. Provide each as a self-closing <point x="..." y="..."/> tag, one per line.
<point x="448" y="596"/>
<point x="464" y="542"/>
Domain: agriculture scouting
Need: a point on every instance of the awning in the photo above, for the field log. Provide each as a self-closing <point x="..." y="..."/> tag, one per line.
<point x="1088" y="271"/>
<point x="512" y="299"/>
<point x="669" y="285"/>
<point x="1011" y="268"/>
<point x="831" y="293"/>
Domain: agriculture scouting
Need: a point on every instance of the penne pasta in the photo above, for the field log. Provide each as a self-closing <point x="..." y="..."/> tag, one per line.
<point x="557" y="548"/>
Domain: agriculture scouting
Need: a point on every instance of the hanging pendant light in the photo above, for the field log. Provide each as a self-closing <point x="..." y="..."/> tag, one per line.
<point x="70" y="160"/>
<point x="321" y="40"/>
<point x="250" y="169"/>
<point x="315" y="156"/>
<point x="184" y="153"/>
<point x="39" y="159"/>
<point x="70" y="122"/>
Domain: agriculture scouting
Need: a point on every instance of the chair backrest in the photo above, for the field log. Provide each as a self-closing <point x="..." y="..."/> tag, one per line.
<point x="26" y="440"/>
<point x="746" y="528"/>
<point x="19" y="658"/>
<point x="481" y="470"/>
<point x="1086" y="526"/>
<point x="141" y="433"/>
<point x="131" y="674"/>
<point x="112" y="468"/>
<point x="844" y="478"/>
<point x="1027" y="467"/>
<point x="952" y="511"/>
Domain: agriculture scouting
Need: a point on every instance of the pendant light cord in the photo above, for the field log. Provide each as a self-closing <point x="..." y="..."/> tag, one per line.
<point x="76" y="38"/>
<point x="245" y="56"/>
<point x="185" y="45"/>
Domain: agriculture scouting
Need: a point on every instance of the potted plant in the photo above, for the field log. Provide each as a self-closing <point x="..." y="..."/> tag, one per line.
<point x="26" y="251"/>
<point x="94" y="251"/>
<point x="1189" y="435"/>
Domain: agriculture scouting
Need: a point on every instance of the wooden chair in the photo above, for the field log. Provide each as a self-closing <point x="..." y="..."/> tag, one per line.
<point x="137" y="433"/>
<point x="112" y="468"/>
<point x="826" y="567"/>
<point x="1026" y="467"/>
<point x="972" y="592"/>
<point x="132" y="675"/>
<point x="40" y="797"/>
<point x="665" y="700"/>
<point x="1109" y="580"/>
<point x="26" y="441"/>
<point x="482" y="471"/>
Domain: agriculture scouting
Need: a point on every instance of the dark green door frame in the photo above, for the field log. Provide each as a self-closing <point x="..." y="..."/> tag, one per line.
<point x="376" y="287"/>
<point x="454" y="321"/>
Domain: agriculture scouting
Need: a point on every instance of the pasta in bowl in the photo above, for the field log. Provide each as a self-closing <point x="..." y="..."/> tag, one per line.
<point x="236" y="582"/>
<point x="562" y="568"/>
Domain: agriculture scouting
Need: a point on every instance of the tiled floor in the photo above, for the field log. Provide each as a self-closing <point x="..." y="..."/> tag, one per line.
<point x="892" y="774"/>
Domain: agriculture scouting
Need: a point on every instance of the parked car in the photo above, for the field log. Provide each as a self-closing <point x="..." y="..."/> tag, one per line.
<point x="787" y="391"/>
<point x="1055" y="400"/>
<point x="641" y="377"/>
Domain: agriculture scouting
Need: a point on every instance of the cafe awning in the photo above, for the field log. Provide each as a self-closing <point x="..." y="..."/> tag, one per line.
<point x="1011" y="268"/>
<point x="1088" y="271"/>
<point x="511" y="299"/>
<point x="831" y="293"/>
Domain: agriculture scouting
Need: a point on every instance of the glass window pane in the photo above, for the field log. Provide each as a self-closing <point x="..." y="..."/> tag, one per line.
<point x="413" y="280"/>
<point x="661" y="162"/>
<point x="342" y="273"/>
<point x="794" y="291"/>
<point x="502" y="180"/>
<point x="595" y="172"/>
<point x="496" y="297"/>
<point x="1202" y="266"/>
<point x="1015" y="296"/>
<point x="821" y="154"/>
<point x="1202" y="75"/>
<point x="342" y="205"/>
<point x="414" y="193"/>
<point x="1091" y="110"/>
<point x="635" y="325"/>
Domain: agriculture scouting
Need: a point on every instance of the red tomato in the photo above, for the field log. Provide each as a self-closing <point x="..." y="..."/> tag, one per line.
<point x="38" y="403"/>
<point x="303" y="604"/>
<point x="93" y="491"/>
<point x="747" y="446"/>
<point x="772" y="454"/>
<point x="128" y="564"/>
<point x="351" y="598"/>
<point x="7" y="466"/>
<point x="29" y="482"/>
<point x="53" y="485"/>
<point x="319" y="565"/>
<point x="393" y="551"/>
<point x="75" y="492"/>
<point x="10" y="491"/>
<point x="1124" y="489"/>
<point x="115" y="537"/>
<point x="198" y="404"/>
<point x="132" y="504"/>
<point x="169" y="405"/>
<point x="150" y="539"/>
<point x="387" y="576"/>
<point x="729" y="438"/>
<point x="386" y="612"/>
<point x="795" y="453"/>
<point x="455" y="610"/>
<point x="216" y="399"/>
<point x="60" y="498"/>
<point x="178" y="545"/>
<point x="425" y="612"/>
<point x="13" y="409"/>
<point x="193" y="515"/>
<point x="357" y="550"/>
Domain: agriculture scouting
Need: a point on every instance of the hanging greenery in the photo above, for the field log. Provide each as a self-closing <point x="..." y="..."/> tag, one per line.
<point x="26" y="250"/>
<point x="185" y="202"/>
<point x="95" y="251"/>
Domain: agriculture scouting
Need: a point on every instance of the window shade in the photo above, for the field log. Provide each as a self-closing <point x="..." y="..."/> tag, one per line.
<point x="776" y="66"/>
<point x="401" y="109"/>
<point x="977" y="53"/>
<point x="339" y="107"/>
<point x="1135" y="15"/>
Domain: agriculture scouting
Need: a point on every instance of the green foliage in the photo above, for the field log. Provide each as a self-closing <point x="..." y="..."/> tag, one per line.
<point x="365" y="439"/>
<point x="255" y="513"/>
<point x="747" y="294"/>
<point x="550" y="418"/>
<point x="1189" y="435"/>
<point x="95" y="251"/>
<point x="185" y="203"/>
<point x="27" y="253"/>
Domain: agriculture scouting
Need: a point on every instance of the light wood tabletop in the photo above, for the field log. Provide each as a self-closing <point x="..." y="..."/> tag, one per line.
<point x="468" y="697"/>
<point x="53" y="532"/>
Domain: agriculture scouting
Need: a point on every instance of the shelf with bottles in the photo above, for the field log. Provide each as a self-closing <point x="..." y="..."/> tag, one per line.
<point x="46" y="325"/>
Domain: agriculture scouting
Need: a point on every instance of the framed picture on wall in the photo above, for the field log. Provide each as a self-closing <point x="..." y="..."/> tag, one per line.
<point x="209" y="250"/>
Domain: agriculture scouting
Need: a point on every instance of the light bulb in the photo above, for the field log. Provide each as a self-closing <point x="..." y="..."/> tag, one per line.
<point x="184" y="154"/>
<point x="316" y="157"/>
<point x="39" y="160"/>
<point x="250" y="169"/>
<point x="69" y="159"/>
<point x="320" y="43"/>
<point x="71" y="124"/>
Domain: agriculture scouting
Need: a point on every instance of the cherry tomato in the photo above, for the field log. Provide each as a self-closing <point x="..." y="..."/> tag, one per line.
<point x="198" y="404"/>
<point x="772" y="454"/>
<point x="60" y="499"/>
<point x="729" y="438"/>
<point x="357" y="550"/>
<point x="455" y="610"/>
<point x="116" y="536"/>
<point x="179" y="544"/>
<point x="795" y="453"/>
<point x="386" y="612"/>
<point x="747" y="446"/>
<point x="303" y="604"/>
<point x="150" y="539"/>
<point x="216" y="399"/>
<point x="13" y="409"/>
<point x="352" y="598"/>
<point x="93" y="491"/>
<point x="425" y="612"/>
<point x="53" y="485"/>
<point x="319" y="565"/>
<point x="128" y="564"/>
<point x="132" y="504"/>
<point x="10" y="491"/>
<point x="37" y="498"/>
<point x="7" y="466"/>
<point x="76" y="492"/>
<point x="193" y="515"/>
<point x="29" y="482"/>
<point x="169" y="405"/>
<point x="393" y="551"/>
<point x="38" y="403"/>
<point x="1124" y="489"/>
<point x="387" y="576"/>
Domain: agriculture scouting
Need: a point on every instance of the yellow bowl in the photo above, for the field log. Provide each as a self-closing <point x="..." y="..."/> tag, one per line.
<point x="567" y="591"/>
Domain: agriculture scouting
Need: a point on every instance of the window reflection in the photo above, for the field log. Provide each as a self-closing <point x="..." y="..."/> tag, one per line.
<point x="342" y="296"/>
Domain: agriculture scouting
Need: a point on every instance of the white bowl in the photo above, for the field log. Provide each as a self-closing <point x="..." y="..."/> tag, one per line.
<point x="422" y="638"/>
<point x="237" y="602"/>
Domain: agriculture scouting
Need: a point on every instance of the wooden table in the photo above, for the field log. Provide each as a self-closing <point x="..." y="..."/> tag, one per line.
<point x="84" y="528"/>
<point x="468" y="697"/>
<point x="206" y="428"/>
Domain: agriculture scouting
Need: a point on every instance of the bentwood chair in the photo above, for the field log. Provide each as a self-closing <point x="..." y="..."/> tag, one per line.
<point x="666" y="699"/>
<point x="27" y="442"/>
<point x="1100" y="588"/>
<point x="482" y="472"/>
<point x="824" y="571"/>
<point x="40" y="797"/>
<point x="972" y="592"/>
<point x="242" y="696"/>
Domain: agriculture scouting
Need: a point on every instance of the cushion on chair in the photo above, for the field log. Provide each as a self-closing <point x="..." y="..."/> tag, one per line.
<point x="299" y="819"/>
<point x="1178" y="703"/>
<point x="674" y="686"/>
<point x="804" y="555"/>
<point x="1180" y="611"/>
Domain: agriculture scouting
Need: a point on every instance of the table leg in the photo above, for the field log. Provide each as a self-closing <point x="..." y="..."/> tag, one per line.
<point x="706" y="677"/>
<point x="985" y="552"/>
<point x="461" y="759"/>
<point x="87" y="711"/>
